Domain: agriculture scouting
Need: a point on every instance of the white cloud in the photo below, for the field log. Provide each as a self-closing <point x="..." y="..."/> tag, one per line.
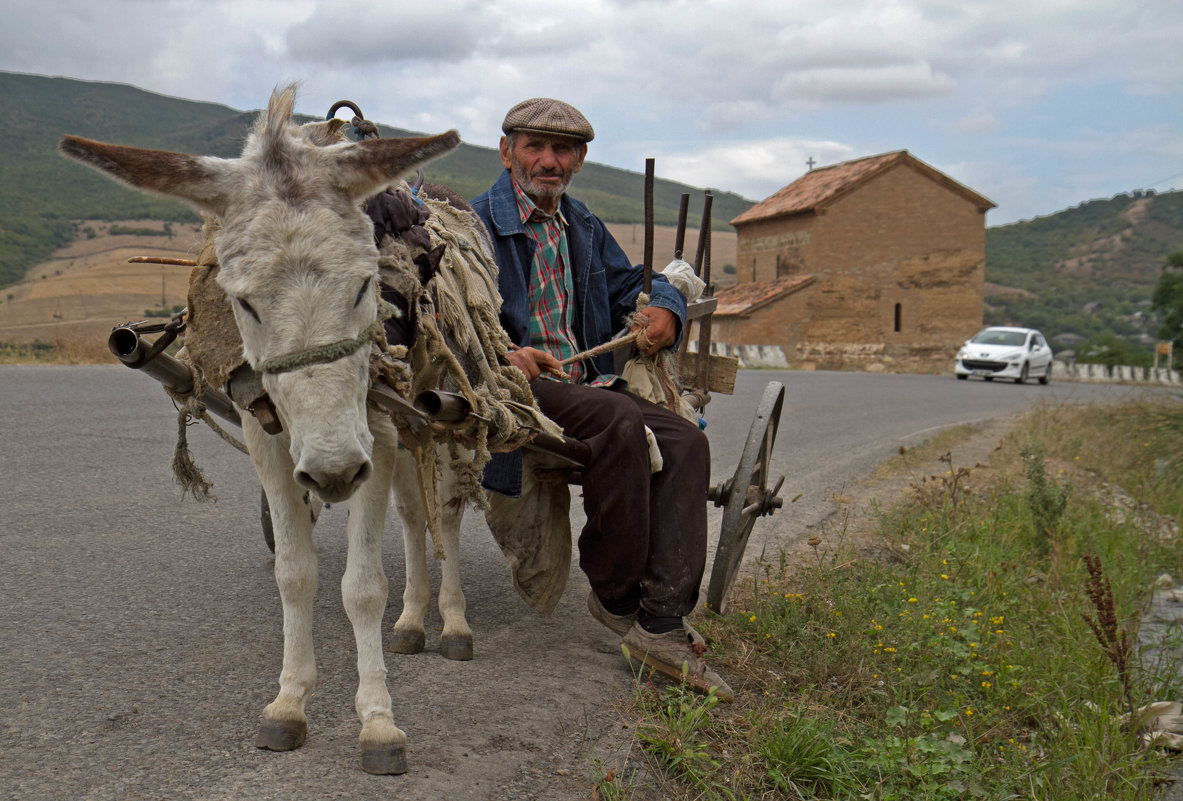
<point x="379" y="35"/>
<point x="978" y="122"/>
<point x="754" y="169"/>
<point x="862" y="85"/>
<point x="721" y="77"/>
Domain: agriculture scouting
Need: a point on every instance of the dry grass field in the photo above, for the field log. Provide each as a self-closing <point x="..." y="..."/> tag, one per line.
<point x="88" y="287"/>
<point x="75" y="298"/>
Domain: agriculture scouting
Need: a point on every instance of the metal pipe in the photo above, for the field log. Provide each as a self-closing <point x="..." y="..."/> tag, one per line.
<point x="443" y="407"/>
<point x="134" y="351"/>
<point x="452" y="407"/>
<point x="388" y="399"/>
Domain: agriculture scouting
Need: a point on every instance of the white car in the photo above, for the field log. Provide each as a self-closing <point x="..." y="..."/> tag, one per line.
<point x="1005" y="352"/>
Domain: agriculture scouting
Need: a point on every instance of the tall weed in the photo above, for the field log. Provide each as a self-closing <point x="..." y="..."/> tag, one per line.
<point x="1046" y="500"/>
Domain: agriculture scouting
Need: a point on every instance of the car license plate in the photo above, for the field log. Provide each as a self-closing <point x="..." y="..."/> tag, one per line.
<point x="982" y="372"/>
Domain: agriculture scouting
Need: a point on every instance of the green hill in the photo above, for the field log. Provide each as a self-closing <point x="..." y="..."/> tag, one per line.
<point x="42" y="194"/>
<point x="1088" y="270"/>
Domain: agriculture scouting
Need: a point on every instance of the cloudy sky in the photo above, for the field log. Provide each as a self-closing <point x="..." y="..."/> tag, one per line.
<point x="1037" y="104"/>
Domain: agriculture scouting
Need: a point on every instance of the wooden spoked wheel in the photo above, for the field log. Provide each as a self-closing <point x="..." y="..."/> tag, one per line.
<point x="746" y="496"/>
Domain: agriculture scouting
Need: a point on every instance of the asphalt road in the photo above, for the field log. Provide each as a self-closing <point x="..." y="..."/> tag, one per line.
<point x="140" y="633"/>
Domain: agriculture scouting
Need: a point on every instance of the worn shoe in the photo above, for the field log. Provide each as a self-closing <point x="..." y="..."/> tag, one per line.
<point x="696" y="639"/>
<point x="622" y="623"/>
<point x="618" y="623"/>
<point x="677" y="655"/>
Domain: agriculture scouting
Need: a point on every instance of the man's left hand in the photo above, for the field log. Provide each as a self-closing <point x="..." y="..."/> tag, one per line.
<point x="661" y="331"/>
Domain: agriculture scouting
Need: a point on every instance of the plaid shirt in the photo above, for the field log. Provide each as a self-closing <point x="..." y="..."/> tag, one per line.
<point x="551" y="315"/>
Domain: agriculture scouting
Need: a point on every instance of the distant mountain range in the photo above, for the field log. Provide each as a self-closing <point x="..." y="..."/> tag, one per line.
<point x="1087" y="271"/>
<point x="41" y="193"/>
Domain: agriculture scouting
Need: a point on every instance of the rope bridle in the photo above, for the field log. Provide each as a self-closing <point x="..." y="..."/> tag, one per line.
<point x="329" y="352"/>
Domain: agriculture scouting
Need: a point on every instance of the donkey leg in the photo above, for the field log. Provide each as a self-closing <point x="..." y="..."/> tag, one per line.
<point x="408" y="636"/>
<point x="364" y="592"/>
<point x="283" y="725"/>
<point x="456" y="640"/>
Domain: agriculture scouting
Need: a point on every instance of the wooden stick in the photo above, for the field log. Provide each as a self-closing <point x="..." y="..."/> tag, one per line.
<point x="680" y="238"/>
<point x="563" y="374"/>
<point x="627" y="339"/>
<point x="702" y="239"/>
<point x="161" y="260"/>
<point x="704" y="248"/>
<point x="648" y="279"/>
<point x="703" y="268"/>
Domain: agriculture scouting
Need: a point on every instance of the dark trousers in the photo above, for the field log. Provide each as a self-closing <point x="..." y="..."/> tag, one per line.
<point x="645" y="536"/>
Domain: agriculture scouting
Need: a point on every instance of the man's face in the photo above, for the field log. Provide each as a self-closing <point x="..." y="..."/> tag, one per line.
<point x="543" y="165"/>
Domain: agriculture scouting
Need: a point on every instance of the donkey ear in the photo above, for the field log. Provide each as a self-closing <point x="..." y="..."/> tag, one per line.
<point x="199" y="180"/>
<point x="324" y="133"/>
<point x="365" y="168"/>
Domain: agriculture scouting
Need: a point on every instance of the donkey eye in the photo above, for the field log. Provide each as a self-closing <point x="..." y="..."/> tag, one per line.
<point x="361" y="294"/>
<point x="249" y="309"/>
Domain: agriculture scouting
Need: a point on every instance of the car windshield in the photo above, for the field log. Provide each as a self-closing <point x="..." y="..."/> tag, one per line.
<point x="994" y="337"/>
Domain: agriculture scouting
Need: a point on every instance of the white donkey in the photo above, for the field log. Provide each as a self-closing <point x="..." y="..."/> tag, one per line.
<point x="298" y="262"/>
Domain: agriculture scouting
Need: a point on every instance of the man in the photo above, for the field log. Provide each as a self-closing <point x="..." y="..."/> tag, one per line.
<point x="567" y="286"/>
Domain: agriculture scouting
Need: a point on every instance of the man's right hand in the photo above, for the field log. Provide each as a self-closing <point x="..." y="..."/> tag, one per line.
<point x="533" y="361"/>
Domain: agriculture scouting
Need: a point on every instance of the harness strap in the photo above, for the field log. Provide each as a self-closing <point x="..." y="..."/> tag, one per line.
<point x="330" y="352"/>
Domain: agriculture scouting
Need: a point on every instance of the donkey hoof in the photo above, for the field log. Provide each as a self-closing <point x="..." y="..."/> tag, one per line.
<point x="456" y="646"/>
<point x="407" y="642"/>
<point x="384" y="761"/>
<point x="278" y="735"/>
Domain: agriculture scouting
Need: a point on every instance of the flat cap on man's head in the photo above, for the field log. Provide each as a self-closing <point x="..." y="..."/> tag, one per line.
<point x="548" y="116"/>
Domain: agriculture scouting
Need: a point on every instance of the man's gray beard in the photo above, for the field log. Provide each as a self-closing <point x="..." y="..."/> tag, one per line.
<point x="530" y="188"/>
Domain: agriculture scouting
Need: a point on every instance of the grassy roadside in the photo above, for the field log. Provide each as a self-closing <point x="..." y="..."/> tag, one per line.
<point x="63" y="350"/>
<point x="992" y="653"/>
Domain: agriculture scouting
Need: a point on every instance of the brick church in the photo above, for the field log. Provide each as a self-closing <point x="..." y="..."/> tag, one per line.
<point x="876" y="263"/>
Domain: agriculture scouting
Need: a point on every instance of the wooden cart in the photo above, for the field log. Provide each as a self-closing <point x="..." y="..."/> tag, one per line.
<point x="746" y="495"/>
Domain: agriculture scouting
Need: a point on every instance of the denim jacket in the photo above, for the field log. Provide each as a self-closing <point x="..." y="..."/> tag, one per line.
<point x="605" y="288"/>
